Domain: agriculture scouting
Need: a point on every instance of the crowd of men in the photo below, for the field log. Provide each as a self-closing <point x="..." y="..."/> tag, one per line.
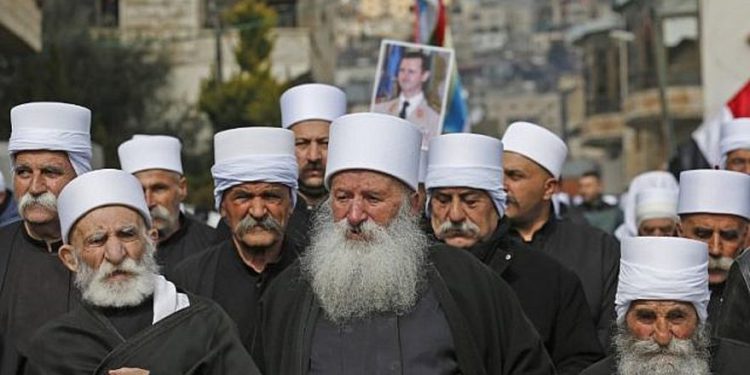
<point x="346" y="248"/>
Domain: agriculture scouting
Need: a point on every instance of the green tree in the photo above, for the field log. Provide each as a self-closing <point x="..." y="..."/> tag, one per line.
<point x="250" y="97"/>
<point x="118" y="82"/>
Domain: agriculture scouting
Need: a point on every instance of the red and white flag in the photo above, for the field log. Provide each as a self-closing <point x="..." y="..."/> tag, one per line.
<point x="707" y="135"/>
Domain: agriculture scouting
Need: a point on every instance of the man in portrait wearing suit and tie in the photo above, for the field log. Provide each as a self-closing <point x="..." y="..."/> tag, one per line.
<point x="411" y="103"/>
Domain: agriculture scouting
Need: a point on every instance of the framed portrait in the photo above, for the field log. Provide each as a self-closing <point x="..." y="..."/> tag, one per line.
<point x="412" y="82"/>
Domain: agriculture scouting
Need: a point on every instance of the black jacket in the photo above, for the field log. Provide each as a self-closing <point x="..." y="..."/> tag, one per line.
<point x="735" y="310"/>
<point x="192" y="238"/>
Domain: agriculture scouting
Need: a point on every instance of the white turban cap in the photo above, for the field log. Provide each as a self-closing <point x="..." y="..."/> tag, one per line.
<point x="712" y="191"/>
<point x="144" y="152"/>
<point x="55" y="127"/>
<point x="313" y="101"/>
<point x="537" y="144"/>
<point x="254" y="154"/>
<point x="665" y="269"/>
<point x="735" y="135"/>
<point x="656" y="203"/>
<point x="467" y="160"/>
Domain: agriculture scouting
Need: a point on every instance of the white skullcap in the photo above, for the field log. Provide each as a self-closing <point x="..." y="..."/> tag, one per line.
<point x="422" y="166"/>
<point x="254" y="154"/>
<point x="651" y="179"/>
<point x="655" y="203"/>
<point x="52" y="126"/>
<point x="538" y="144"/>
<point x="712" y="191"/>
<point x="144" y="152"/>
<point x="467" y="160"/>
<point x="665" y="269"/>
<point x="735" y="135"/>
<point x="375" y="142"/>
<point x="312" y="101"/>
<point x="103" y="187"/>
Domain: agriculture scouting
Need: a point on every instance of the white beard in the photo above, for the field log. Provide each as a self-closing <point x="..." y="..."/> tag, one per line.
<point x="98" y="291"/>
<point x="356" y="278"/>
<point x="682" y="357"/>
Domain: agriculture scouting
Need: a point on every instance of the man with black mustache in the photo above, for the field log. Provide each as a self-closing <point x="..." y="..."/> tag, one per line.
<point x="255" y="178"/>
<point x="155" y="160"/>
<point x="49" y="145"/>
<point x="714" y="207"/>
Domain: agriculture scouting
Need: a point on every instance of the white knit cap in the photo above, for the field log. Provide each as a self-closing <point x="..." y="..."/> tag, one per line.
<point x="375" y="142"/>
<point x="538" y="144"/>
<point x="254" y="154"/>
<point x="52" y="126"/>
<point x="144" y="152"/>
<point x="655" y="203"/>
<point x="712" y="191"/>
<point x="467" y="160"/>
<point x="103" y="187"/>
<point x="650" y="179"/>
<point x="664" y="269"/>
<point x="735" y="135"/>
<point x="312" y="101"/>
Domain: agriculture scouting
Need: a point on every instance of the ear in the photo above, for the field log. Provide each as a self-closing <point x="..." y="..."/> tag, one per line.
<point x="414" y="202"/>
<point x="153" y="234"/>
<point x="679" y="229"/>
<point x="182" y="188"/>
<point x="68" y="258"/>
<point x="550" y="188"/>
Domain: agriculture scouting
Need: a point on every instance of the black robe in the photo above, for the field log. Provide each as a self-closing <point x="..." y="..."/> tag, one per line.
<point x="728" y="357"/>
<point x="35" y="287"/>
<point x="551" y="296"/>
<point x="594" y="256"/>
<point x="199" y="339"/>
<point x="220" y="274"/>
<point x="735" y="311"/>
<point x="192" y="238"/>
<point x="491" y="335"/>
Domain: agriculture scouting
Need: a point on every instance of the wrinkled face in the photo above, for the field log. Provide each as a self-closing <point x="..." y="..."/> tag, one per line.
<point x="164" y="191"/>
<point x="590" y="188"/>
<point x="739" y="161"/>
<point x="658" y="227"/>
<point x="411" y="76"/>
<point x="529" y="186"/>
<point x="725" y="236"/>
<point x="258" y="212"/>
<point x="38" y="178"/>
<point x="661" y="321"/>
<point x="111" y="251"/>
<point x="311" y="147"/>
<point x="359" y="196"/>
<point x="462" y="217"/>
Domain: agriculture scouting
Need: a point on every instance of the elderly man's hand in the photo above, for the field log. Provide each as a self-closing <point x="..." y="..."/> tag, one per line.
<point x="129" y="371"/>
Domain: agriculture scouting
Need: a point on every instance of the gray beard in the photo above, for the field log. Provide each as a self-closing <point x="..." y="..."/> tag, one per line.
<point x="353" y="279"/>
<point x="682" y="357"/>
<point x="97" y="291"/>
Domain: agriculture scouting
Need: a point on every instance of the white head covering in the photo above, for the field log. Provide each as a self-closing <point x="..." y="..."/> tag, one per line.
<point x="254" y="154"/>
<point x="467" y="160"/>
<point x="422" y="166"/>
<point x="538" y="144"/>
<point x="735" y="135"/>
<point x="103" y="187"/>
<point x="714" y="191"/>
<point x="375" y="142"/>
<point x="312" y="101"/>
<point x="655" y="203"/>
<point x="52" y="126"/>
<point x="144" y="152"/>
<point x="663" y="268"/>
<point x="652" y="179"/>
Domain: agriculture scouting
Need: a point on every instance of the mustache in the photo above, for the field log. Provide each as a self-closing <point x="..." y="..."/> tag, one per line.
<point x="720" y="263"/>
<point x="313" y="166"/>
<point x="46" y="200"/>
<point x="464" y="228"/>
<point x="267" y="223"/>
<point x="160" y="213"/>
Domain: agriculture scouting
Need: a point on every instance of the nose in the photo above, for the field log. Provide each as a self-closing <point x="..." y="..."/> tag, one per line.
<point x="114" y="251"/>
<point x="313" y="152"/>
<point x="714" y="244"/>
<point x="149" y="195"/>
<point x="455" y="213"/>
<point x="257" y="209"/>
<point x="38" y="185"/>
<point x="356" y="214"/>
<point x="662" y="333"/>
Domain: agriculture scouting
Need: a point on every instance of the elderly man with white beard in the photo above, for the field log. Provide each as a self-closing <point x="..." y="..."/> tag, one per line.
<point x="49" y="145"/>
<point x="466" y="210"/>
<point x="661" y="304"/>
<point x="132" y="320"/>
<point x="156" y="162"/>
<point x="714" y="207"/>
<point x="371" y="296"/>
<point x="255" y="175"/>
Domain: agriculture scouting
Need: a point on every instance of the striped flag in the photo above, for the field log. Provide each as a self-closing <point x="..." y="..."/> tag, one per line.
<point x="707" y="135"/>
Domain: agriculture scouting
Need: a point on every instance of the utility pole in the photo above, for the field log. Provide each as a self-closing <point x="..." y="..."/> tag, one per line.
<point x="660" y="54"/>
<point x="216" y="17"/>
